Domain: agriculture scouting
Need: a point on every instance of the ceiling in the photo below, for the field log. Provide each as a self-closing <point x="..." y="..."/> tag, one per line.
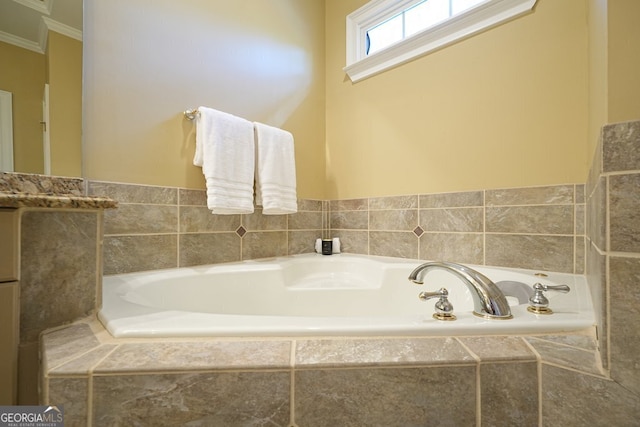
<point x="24" y="23"/>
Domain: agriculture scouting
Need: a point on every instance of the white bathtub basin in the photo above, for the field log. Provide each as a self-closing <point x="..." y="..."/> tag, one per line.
<point x="312" y="294"/>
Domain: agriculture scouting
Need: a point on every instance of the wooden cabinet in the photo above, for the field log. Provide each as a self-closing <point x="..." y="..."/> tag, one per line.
<point x="9" y="306"/>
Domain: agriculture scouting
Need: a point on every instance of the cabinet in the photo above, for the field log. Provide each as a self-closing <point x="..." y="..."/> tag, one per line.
<point x="9" y="306"/>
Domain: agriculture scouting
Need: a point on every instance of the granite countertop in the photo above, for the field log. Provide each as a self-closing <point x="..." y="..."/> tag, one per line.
<point x="39" y="200"/>
<point x="20" y="190"/>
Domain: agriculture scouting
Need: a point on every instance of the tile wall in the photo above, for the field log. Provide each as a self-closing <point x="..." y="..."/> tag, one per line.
<point x="539" y="228"/>
<point x="305" y="382"/>
<point x="166" y="227"/>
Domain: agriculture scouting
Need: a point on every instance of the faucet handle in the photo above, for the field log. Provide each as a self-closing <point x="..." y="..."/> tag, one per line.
<point x="444" y="309"/>
<point x="538" y="303"/>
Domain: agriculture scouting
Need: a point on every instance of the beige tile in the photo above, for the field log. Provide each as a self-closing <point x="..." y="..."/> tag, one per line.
<point x="596" y="225"/>
<point x="379" y="352"/>
<point x="452" y="200"/>
<point x="455" y="247"/>
<point x="202" y="399"/>
<point x="349" y="220"/>
<point x="596" y="278"/>
<point x="348" y="205"/>
<point x="498" y="348"/>
<point x="302" y="242"/>
<point x="126" y="254"/>
<point x="508" y="394"/>
<point x="264" y="244"/>
<point x="548" y="253"/>
<point x="259" y="222"/>
<point x="72" y="394"/>
<point x="141" y="219"/>
<point x="393" y="202"/>
<point x="188" y="356"/>
<point x="58" y="269"/>
<point x="625" y="321"/>
<point x="305" y="220"/>
<point x="624" y="213"/>
<point x="84" y="363"/>
<point x="209" y="248"/>
<point x="132" y="193"/>
<point x="309" y="205"/>
<point x="401" y="244"/>
<point x="198" y="219"/>
<point x="573" y="399"/>
<point x="393" y="219"/>
<point x="192" y="197"/>
<point x="355" y="242"/>
<point x="621" y="146"/>
<point x="452" y="220"/>
<point x="554" y="219"/>
<point x="443" y="396"/>
<point x="563" y="355"/>
<point x="64" y="344"/>
<point x="556" y="194"/>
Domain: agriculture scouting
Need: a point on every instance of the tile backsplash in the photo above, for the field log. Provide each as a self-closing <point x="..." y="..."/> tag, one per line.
<point x="164" y="227"/>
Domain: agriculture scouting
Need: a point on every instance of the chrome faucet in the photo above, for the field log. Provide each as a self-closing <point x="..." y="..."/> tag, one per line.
<point x="488" y="299"/>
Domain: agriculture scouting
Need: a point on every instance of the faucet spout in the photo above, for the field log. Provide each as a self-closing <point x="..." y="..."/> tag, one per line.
<point x="488" y="299"/>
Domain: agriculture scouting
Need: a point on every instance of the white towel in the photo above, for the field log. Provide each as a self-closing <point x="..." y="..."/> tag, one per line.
<point x="275" y="171"/>
<point x="225" y="148"/>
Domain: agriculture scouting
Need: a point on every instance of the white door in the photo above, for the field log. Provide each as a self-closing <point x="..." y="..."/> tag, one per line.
<point x="6" y="131"/>
<point x="46" y="141"/>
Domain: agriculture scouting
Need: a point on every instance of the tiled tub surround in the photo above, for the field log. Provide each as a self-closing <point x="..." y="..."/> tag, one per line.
<point x="536" y="228"/>
<point x="463" y="381"/>
<point x="167" y="227"/>
<point x="613" y="260"/>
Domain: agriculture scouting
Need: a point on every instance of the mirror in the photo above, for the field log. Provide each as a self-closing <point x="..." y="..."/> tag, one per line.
<point x="41" y="53"/>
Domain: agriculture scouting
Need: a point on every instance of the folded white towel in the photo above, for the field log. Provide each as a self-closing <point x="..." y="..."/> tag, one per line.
<point x="275" y="171"/>
<point x="225" y="149"/>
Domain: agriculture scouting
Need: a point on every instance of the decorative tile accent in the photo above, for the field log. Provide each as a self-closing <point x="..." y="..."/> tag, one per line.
<point x="241" y="231"/>
<point x="418" y="231"/>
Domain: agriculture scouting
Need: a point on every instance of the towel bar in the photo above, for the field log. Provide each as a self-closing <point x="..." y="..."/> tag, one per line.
<point x="191" y="114"/>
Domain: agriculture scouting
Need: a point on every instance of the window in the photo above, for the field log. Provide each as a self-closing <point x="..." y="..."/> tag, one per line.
<point x="386" y="33"/>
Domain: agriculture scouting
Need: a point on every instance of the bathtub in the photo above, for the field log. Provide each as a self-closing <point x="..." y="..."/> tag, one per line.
<point x="316" y="295"/>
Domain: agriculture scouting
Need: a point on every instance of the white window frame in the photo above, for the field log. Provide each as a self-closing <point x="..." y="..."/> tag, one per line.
<point x="479" y="18"/>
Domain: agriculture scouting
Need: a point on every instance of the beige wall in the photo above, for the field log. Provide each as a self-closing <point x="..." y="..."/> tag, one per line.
<point x="623" y="60"/>
<point x="598" y="92"/>
<point x="25" y="78"/>
<point x="505" y="108"/>
<point x="64" y="75"/>
<point x="147" y="61"/>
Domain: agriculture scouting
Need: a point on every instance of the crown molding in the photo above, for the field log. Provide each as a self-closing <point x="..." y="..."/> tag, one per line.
<point x="20" y="42"/>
